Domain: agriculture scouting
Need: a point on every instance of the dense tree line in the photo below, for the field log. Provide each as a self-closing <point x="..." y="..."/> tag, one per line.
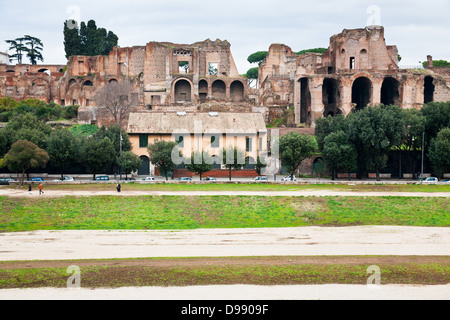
<point x="94" y="151"/>
<point x="362" y="141"/>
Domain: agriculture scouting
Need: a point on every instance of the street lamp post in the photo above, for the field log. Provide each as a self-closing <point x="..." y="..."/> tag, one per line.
<point x="423" y="151"/>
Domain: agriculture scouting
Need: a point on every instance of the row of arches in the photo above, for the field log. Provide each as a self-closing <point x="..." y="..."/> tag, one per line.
<point x="217" y="90"/>
<point x="361" y="94"/>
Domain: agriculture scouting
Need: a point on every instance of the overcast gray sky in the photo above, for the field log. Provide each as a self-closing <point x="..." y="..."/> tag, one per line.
<point x="417" y="28"/>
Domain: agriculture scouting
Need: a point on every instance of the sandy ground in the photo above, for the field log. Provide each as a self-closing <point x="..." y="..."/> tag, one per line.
<point x="239" y="292"/>
<point x="303" y="241"/>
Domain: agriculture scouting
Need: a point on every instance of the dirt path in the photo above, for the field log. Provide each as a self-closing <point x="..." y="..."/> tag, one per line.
<point x="302" y="241"/>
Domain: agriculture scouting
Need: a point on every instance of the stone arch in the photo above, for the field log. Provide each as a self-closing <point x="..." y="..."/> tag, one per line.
<point x="331" y="97"/>
<point x="72" y="82"/>
<point x="88" y="83"/>
<point x="219" y="90"/>
<point x="362" y="89"/>
<point x="113" y="80"/>
<point x="46" y="71"/>
<point x="390" y="92"/>
<point x="316" y="164"/>
<point x="182" y="91"/>
<point x="237" y="91"/>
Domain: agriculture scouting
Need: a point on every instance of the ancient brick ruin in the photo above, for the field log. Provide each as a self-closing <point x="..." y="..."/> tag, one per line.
<point x="358" y="69"/>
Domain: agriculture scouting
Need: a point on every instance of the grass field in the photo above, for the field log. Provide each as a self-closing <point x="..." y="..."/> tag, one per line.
<point x="184" y="212"/>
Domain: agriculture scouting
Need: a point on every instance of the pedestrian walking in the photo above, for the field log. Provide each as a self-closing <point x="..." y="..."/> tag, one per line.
<point x="119" y="187"/>
<point x="41" y="189"/>
<point x="29" y="188"/>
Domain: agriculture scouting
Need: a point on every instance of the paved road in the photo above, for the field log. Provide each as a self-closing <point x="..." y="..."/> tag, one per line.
<point x="302" y="241"/>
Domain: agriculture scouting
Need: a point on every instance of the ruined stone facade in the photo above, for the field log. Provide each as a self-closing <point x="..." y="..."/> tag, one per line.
<point x="357" y="70"/>
<point x="166" y="76"/>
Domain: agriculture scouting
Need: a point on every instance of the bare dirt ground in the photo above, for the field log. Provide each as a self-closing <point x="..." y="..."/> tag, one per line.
<point x="301" y="241"/>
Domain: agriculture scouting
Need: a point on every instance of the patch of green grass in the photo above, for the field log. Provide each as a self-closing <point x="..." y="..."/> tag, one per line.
<point x="126" y="276"/>
<point x="184" y="212"/>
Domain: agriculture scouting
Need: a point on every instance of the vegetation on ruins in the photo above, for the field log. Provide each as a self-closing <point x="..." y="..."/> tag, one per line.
<point x="87" y="39"/>
<point x="315" y="50"/>
<point x="27" y="45"/>
<point x="437" y="63"/>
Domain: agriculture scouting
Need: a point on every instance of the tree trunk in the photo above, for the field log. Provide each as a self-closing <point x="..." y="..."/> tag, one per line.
<point x="230" y="173"/>
<point x="378" y="173"/>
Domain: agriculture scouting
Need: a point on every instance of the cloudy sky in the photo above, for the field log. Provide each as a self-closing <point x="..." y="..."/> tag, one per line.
<point x="417" y="28"/>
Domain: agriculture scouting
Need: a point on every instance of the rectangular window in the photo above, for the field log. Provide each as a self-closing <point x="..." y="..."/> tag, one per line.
<point x="180" y="141"/>
<point x="215" y="141"/>
<point x="260" y="144"/>
<point x="183" y="67"/>
<point x="248" y="144"/>
<point x="352" y="63"/>
<point x="143" y="141"/>
<point x="213" y="69"/>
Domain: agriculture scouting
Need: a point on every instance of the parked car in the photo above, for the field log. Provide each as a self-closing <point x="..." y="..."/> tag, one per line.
<point x="446" y="181"/>
<point x="209" y="179"/>
<point x="289" y="178"/>
<point x="102" y="178"/>
<point x="430" y="180"/>
<point x="128" y="179"/>
<point x="261" y="178"/>
<point x="36" y="179"/>
<point x="148" y="179"/>
<point x="5" y="181"/>
<point x="184" y="179"/>
<point x="66" y="179"/>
